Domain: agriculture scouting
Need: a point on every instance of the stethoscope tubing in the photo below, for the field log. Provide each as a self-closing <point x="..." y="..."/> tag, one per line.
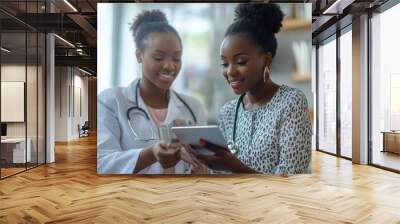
<point x="145" y="113"/>
<point x="234" y="146"/>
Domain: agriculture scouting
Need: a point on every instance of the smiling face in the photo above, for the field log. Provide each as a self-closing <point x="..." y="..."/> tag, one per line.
<point x="161" y="58"/>
<point x="243" y="63"/>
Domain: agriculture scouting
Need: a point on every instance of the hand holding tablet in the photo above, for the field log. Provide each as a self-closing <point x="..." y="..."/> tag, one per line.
<point x="208" y="143"/>
<point x="192" y="134"/>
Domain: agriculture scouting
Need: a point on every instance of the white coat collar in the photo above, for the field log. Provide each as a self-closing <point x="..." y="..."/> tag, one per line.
<point x="175" y="106"/>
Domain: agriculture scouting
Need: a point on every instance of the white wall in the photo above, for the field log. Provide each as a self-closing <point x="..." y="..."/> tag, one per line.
<point x="17" y="73"/>
<point x="69" y="85"/>
<point x="14" y="73"/>
<point x="61" y="103"/>
<point x="79" y="117"/>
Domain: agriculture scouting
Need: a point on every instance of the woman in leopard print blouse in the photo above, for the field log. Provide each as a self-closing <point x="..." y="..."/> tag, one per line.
<point x="273" y="130"/>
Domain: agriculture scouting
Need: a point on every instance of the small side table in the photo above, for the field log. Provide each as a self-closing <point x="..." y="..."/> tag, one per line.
<point x="391" y="141"/>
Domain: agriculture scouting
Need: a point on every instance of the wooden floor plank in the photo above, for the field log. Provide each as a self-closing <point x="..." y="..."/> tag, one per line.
<point x="70" y="191"/>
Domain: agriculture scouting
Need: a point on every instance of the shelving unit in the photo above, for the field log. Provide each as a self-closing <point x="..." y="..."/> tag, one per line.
<point x="293" y="24"/>
<point x="297" y="77"/>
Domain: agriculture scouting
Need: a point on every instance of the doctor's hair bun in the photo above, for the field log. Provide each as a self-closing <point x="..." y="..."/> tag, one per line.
<point x="148" y="16"/>
<point x="147" y="22"/>
<point x="267" y="16"/>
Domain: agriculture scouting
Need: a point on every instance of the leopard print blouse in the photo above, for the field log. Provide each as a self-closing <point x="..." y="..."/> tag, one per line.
<point x="274" y="138"/>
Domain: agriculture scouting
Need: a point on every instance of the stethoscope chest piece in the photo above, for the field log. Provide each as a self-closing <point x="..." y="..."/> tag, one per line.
<point x="233" y="147"/>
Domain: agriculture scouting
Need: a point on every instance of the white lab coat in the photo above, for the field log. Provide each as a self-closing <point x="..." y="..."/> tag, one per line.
<point x="117" y="151"/>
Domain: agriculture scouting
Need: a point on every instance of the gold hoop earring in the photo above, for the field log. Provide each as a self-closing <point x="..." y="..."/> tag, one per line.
<point x="266" y="71"/>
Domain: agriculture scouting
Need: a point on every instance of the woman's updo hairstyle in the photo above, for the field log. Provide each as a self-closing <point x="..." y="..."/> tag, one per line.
<point x="147" y="22"/>
<point x="260" y="22"/>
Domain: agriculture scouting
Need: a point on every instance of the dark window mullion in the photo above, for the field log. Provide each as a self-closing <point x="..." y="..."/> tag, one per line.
<point x="369" y="100"/>
<point x="338" y="93"/>
<point x="37" y="91"/>
<point x="26" y="87"/>
<point x="317" y="97"/>
<point x="0" y="96"/>
<point x="44" y="71"/>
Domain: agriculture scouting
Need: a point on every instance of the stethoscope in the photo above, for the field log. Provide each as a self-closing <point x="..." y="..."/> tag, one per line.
<point x="233" y="145"/>
<point x="153" y="135"/>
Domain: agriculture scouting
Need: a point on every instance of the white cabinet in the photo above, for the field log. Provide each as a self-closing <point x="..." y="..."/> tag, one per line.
<point x="17" y="147"/>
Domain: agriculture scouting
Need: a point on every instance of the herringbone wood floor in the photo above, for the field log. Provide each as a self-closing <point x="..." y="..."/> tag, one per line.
<point x="70" y="191"/>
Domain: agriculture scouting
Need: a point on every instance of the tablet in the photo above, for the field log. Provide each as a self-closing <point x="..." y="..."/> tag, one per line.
<point x="192" y="134"/>
<point x="211" y="133"/>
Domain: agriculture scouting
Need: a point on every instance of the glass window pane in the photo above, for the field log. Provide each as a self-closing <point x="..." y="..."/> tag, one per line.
<point x="385" y="84"/>
<point x="327" y="97"/>
<point x="346" y="94"/>
<point x="41" y="99"/>
<point x="23" y="85"/>
<point x="13" y="86"/>
<point x="31" y="97"/>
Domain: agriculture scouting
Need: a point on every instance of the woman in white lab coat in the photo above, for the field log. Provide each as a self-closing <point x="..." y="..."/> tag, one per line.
<point x="129" y="117"/>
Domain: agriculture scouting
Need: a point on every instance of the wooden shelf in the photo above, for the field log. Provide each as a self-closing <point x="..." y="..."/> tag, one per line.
<point x="293" y="24"/>
<point x="297" y="77"/>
